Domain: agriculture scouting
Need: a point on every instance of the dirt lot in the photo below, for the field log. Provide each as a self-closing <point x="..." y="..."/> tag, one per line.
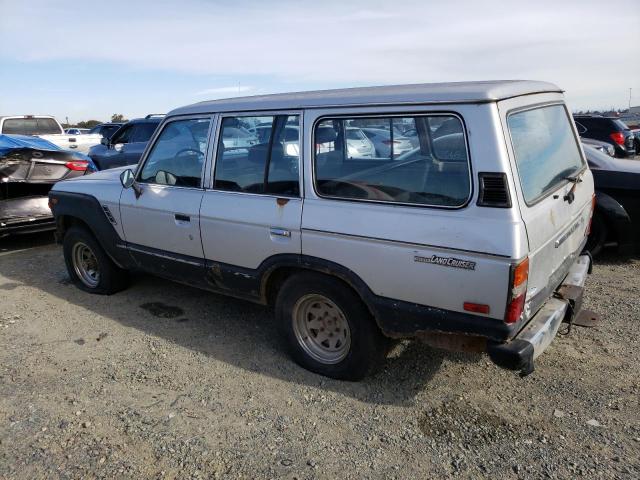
<point x="165" y="381"/>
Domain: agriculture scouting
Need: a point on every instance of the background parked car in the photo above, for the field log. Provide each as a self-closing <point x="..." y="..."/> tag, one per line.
<point x="616" y="220"/>
<point x="76" y="131"/>
<point x="358" y="144"/>
<point x="636" y="139"/>
<point x="604" y="147"/>
<point x="126" y="145"/>
<point x="47" y="127"/>
<point x="381" y="138"/>
<point x="106" y="129"/>
<point x="29" y="166"/>
<point x="607" y="129"/>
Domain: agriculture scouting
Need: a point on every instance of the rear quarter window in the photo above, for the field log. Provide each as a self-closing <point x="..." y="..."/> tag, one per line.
<point x="545" y="148"/>
<point x="354" y="161"/>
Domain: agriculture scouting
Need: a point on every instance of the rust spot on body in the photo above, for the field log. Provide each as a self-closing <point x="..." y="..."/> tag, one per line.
<point x="282" y="201"/>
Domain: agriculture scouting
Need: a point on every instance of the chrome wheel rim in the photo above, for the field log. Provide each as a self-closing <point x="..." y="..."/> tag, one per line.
<point x="321" y="329"/>
<point x="85" y="265"/>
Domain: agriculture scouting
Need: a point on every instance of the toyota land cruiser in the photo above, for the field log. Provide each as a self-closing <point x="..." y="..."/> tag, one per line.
<point x="471" y="239"/>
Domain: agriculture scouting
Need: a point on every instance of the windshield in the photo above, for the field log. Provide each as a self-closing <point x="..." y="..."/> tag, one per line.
<point x="546" y="149"/>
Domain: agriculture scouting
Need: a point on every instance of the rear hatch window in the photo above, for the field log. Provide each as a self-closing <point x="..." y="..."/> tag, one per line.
<point x="545" y="148"/>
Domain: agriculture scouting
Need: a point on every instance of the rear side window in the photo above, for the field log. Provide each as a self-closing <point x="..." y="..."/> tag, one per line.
<point x="393" y="159"/>
<point x="266" y="161"/>
<point x="143" y="131"/>
<point x="546" y="149"/>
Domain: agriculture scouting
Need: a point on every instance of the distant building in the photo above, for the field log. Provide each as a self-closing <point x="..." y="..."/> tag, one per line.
<point x="635" y="109"/>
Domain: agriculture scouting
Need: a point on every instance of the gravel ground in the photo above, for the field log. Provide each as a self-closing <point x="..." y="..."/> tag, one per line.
<point x="165" y="381"/>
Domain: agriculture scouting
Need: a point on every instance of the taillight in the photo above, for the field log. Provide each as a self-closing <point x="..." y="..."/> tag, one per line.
<point x="517" y="292"/>
<point x="77" y="165"/>
<point x="593" y="209"/>
<point x="617" y="137"/>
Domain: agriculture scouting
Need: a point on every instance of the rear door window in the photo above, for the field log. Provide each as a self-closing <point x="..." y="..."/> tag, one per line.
<point x="545" y="148"/>
<point x="266" y="162"/>
<point x="371" y="159"/>
<point x="143" y="132"/>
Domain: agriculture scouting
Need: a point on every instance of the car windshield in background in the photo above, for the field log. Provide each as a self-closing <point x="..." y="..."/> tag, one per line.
<point x="364" y="159"/>
<point x="545" y="148"/>
<point x="30" y="126"/>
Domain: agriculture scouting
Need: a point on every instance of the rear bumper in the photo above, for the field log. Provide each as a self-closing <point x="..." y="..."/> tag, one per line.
<point x="25" y="215"/>
<point x="537" y="335"/>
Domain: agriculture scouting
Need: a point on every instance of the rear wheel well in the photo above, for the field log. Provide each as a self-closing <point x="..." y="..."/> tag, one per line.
<point x="280" y="275"/>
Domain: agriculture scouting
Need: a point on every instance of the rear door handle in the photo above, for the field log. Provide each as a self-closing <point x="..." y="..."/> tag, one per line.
<point x="182" y="218"/>
<point x="280" y="232"/>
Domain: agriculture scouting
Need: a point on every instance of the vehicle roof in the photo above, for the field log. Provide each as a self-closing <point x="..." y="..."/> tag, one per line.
<point x="26" y="116"/>
<point x="597" y="117"/>
<point x="145" y="120"/>
<point x="455" y="92"/>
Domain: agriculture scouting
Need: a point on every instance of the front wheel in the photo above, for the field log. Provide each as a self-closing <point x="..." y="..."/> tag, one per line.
<point x="327" y="327"/>
<point x="89" y="267"/>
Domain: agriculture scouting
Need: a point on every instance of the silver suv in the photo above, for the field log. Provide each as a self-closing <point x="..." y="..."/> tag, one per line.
<point x="469" y="240"/>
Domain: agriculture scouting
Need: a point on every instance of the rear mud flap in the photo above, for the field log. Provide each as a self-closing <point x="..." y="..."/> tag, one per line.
<point x="587" y="319"/>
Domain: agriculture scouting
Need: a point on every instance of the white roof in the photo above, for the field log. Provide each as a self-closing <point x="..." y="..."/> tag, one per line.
<point x="456" y="92"/>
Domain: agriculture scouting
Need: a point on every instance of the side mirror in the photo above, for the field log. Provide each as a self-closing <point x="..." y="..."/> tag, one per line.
<point x="127" y="178"/>
<point x="104" y="141"/>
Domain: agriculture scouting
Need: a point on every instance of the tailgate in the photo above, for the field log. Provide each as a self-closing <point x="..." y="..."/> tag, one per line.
<point x="556" y="191"/>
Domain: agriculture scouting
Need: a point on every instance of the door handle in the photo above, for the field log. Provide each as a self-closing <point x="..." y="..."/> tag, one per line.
<point x="182" y="218"/>
<point x="280" y="232"/>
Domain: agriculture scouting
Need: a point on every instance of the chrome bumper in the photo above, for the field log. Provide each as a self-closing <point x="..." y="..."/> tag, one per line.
<point x="535" y="337"/>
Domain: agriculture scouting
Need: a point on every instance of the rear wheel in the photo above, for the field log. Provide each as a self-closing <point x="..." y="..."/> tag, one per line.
<point x="89" y="267"/>
<point x="598" y="235"/>
<point x="327" y="327"/>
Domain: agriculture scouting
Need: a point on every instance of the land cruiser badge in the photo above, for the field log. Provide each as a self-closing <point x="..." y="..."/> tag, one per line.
<point x="446" y="262"/>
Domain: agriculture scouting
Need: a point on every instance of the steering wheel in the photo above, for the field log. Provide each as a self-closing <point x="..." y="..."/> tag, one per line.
<point x="187" y="150"/>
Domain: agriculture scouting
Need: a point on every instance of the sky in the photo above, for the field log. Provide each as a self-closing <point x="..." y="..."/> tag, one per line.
<point x="87" y="60"/>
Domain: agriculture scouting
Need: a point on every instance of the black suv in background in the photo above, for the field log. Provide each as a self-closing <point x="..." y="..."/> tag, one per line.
<point x="126" y="145"/>
<point x="607" y="129"/>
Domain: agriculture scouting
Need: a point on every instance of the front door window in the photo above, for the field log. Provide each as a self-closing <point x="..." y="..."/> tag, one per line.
<point x="178" y="155"/>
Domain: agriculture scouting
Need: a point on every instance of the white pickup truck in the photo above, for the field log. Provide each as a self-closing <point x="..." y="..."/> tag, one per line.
<point x="47" y="127"/>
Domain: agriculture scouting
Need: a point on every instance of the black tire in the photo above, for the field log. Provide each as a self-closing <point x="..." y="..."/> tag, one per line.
<point x="598" y="236"/>
<point x="111" y="278"/>
<point x="367" y="347"/>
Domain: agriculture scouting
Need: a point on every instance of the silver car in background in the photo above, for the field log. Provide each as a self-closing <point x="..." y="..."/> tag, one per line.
<point x="384" y="144"/>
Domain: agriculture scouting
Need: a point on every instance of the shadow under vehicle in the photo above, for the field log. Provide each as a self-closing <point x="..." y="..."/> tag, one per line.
<point x="29" y="166"/>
